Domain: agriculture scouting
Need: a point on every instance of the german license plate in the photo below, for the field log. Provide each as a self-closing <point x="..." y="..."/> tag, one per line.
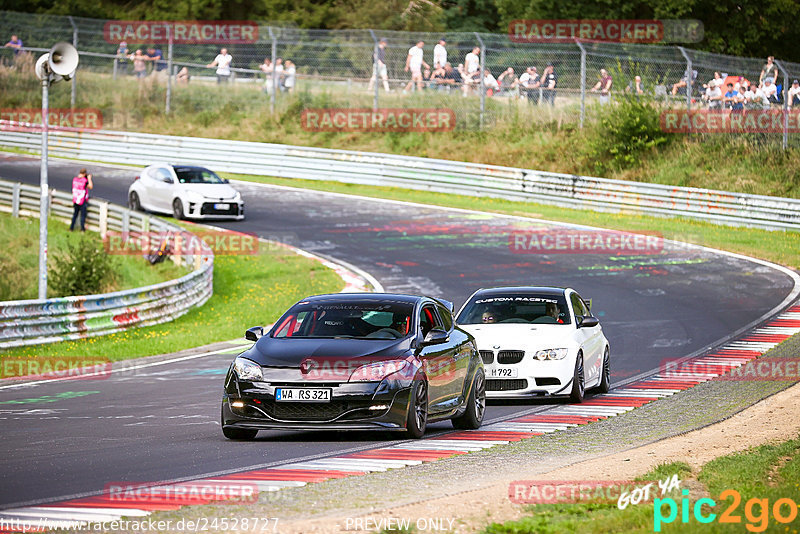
<point x="503" y="372"/>
<point x="303" y="394"/>
<point x="221" y="206"/>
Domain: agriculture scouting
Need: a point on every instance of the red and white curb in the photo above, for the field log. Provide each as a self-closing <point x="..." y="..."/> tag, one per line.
<point x="84" y="511"/>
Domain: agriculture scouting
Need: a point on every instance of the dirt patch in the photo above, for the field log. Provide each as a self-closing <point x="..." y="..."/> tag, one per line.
<point x="774" y="419"/>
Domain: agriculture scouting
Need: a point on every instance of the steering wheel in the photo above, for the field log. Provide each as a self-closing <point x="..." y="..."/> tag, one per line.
<point x="384" y="332"/>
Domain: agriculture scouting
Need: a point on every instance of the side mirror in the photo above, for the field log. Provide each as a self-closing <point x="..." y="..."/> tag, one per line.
<point x="226" y="181"/>
<point x="169" y="180"/>
<point x="254" y="333"/>
<point x="435" y="337"/>
<point x="588" y="322"/>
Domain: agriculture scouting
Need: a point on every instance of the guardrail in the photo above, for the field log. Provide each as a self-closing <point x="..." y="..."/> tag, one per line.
<point x="445" y="176"/>
<point x="28" y="322"/>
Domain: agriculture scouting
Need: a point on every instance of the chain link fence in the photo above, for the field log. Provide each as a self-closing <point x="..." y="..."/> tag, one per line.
<point x="284" y="70"/>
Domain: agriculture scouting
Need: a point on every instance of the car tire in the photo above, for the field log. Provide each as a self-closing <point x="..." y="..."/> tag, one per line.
<point x="133" y="202"/>
<point x="605" y="375"/>
<point x="177" y="209"/>
<point x="417" y="418"/>
<point x="239" y="434"/>
<point x="578" y="381"/>
<point x="472" y="418"/>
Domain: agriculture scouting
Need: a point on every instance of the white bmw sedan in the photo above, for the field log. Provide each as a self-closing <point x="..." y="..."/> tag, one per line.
<point x="185" y="192"/>
<point x="537" y="341"/>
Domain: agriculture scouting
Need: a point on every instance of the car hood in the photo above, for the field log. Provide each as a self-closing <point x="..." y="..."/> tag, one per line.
<point x="213" y="191"/>
<point x="521" y="336"/>
<point x="291" y="352"/>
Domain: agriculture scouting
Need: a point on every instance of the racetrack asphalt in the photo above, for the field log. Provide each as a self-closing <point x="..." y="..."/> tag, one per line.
<point x="161" y="422"/>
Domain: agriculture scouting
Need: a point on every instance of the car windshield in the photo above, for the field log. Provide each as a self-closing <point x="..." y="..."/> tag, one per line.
<point x="362" y="319"/>
<point x="195" y="175"/>
<point x="515" y="308"/>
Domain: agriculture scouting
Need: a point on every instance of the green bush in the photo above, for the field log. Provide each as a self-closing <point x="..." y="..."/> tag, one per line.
<point x="625" y="130"/>
<point x="85" y="269"/>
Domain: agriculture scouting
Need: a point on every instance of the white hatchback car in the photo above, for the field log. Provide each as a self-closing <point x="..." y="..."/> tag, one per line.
<point x="537" y="341"/>
<point x="186" y="192"/>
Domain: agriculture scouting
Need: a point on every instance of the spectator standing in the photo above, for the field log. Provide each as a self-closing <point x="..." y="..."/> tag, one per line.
<point x="714" y="96"/>
<point x="81" y="185"/>
<point x="414" y="63"/>
<point x="549" y="82"/>
<point x="636" y="87"/>
<point x="379" y="65"/>
<point x="223" y="63"/>
<point x="156" y="56"/>
<point x="16" y="43"/>
<point x="529" y="84"/>
<point x="440" y="54"/>
<point x="603" y="86"/>
<point x="769" y="70"/>
<point x="289" y="76"/>
<point x="139" y="64"/>
<point x="122" y="55"/>
<point x="508" y="81"/>
<point x="472" y="68"/>
<point x="794" y="94"/>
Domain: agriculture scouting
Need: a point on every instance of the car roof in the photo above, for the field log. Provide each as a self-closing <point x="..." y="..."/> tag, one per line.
<point x="522" y="290"/>
<point x="366" y="297"/>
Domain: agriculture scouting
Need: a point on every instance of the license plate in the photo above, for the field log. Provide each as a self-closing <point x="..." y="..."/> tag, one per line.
<point x="221" y="206"/>
<point x="503" y="372"/>
<point x="303" y="394"/>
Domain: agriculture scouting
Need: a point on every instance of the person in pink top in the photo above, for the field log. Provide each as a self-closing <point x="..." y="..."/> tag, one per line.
<point x="81" y="185"/>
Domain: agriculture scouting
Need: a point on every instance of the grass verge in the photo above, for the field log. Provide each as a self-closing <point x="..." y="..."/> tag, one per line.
<point x="760" y="477"/>
<point x="248" y="290"/>
<point x="776" y="246"/>
<point x="19" y="260"/>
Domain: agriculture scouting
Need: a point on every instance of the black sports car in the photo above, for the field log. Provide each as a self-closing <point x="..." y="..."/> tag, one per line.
<point x="356" y="361"/>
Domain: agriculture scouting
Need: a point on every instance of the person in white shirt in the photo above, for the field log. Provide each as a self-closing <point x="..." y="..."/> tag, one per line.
<point x="440" y="54"/>
<point x="414" y="63"/>
<point x="794" y="94"/>
<point x="770" y="92"/>
<point x="472" y="67"/>
<point x="289" y="73"/>
<point x="223" y="63"/>
<point x="490" y="83"/>
<point x="714" y="97"/>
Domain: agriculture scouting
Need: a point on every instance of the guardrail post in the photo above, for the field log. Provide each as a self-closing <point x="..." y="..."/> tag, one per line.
<point x="177" y="250"/>
<point x="689" y="83"/>
<point x="583" y="81"/>
<point x="15" y="199"/>
<point x="145" y="223"/>
<point x="126" y="224"/>
<point x="482" y="77"/>
<point x="103" y="219"/>
<point x="74" y="74"/>
<point x="785" y="142"/>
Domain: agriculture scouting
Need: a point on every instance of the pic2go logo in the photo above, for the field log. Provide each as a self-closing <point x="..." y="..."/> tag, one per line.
<point x="756" y="511"/>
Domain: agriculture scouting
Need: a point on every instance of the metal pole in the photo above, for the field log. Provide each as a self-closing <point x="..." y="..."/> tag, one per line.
<point x="483" y="85"/>
<point x="689" y="81"/>
<point x="583" y="85"/>
<point x="274" y="72"/>
<point x="169" y="69"/>
<point x="74" y="76"/>
<point x="44" y="198"/>
<point x="375" y="70"/>
<point x="785" y="142"/>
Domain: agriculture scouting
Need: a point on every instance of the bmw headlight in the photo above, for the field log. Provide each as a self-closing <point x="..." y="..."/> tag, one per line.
<point x="550" y="354"/>
<point x="247" y="369"/>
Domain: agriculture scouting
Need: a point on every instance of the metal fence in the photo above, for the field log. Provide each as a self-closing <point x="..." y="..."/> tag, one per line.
<point x="28" y="322"/>
<point x="444" y="176"/>
<point x="334" y="68"/>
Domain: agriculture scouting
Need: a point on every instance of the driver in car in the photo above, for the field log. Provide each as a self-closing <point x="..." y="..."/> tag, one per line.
<point x="551" y="309"/>
<point x="400" y="322"/>
<point x="488" y="317"/>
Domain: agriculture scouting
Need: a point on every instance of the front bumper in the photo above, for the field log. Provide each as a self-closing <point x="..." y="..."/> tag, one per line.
<point x="349" y="408"/>
<point x="208" y="209"/>
<point x="534" y="378"/>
